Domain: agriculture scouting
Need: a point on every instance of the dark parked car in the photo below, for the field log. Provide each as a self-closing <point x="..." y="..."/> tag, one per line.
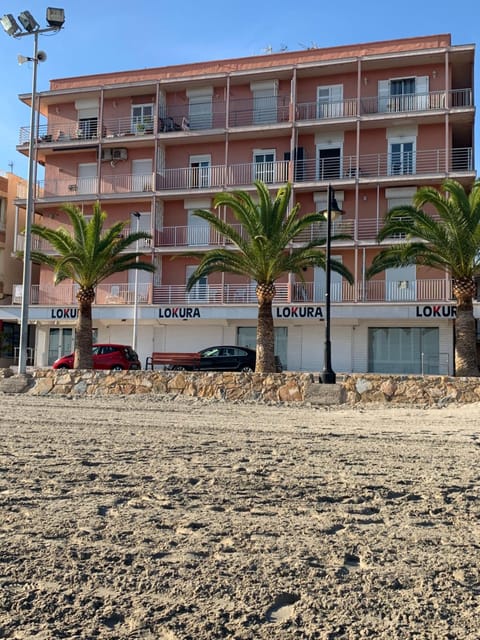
<point x="221" y="358"/>
<point x="106" y="356"/>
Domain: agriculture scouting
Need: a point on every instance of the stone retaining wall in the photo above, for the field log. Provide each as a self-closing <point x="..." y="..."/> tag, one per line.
<point x="278" y="387"/>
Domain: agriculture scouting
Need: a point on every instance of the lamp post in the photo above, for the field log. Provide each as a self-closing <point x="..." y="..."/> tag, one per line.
<point x="135" y="291"/>
<point x="55" y="18"/>
<point x="328" y="375"/>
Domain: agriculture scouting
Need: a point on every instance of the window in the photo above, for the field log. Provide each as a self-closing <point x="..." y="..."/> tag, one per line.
<point x="60" y="343"/>
<point x="3" y="213"/>
<point x="142" y="118"/>
<point x="330" y="101"/>
<point x="264" y="165"/>
<point x="247" y="337"/>
<point x="403" y="350"/>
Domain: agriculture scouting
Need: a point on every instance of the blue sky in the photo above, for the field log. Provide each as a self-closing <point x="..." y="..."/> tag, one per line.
<point x="114" y="35"/>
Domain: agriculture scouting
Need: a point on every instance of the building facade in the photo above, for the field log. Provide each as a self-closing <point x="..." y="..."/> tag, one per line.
<point x="376" y="121"/>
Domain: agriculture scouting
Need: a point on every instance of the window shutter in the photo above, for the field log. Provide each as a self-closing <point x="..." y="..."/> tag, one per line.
<point x="421" y="91"/>
<point x="383" y="95"/>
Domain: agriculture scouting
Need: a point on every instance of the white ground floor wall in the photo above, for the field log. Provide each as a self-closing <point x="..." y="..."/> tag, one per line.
<point x="353" y="330"/>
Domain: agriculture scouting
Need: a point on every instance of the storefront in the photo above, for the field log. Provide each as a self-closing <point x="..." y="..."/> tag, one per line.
<point x="403" y="338"/>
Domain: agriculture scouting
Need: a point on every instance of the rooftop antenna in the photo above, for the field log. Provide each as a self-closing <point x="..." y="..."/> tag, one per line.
<point x="10" y="166"/>
<point x="268" y="49"/>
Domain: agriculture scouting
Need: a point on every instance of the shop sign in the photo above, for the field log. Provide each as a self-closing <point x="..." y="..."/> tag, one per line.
<point x="64" y="314"/>
<point x="312" y="312"/>
<point x="437" y="311"/>
<point x="183" y="313"/>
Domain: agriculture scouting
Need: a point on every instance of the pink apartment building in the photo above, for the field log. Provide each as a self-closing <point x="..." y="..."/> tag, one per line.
<point x="374" y="120"/>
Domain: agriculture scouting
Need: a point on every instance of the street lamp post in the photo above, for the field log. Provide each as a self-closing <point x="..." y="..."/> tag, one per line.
<point x="55" y="18"/>
<point x="135" y="291"/>
<point x="328" y="375"/>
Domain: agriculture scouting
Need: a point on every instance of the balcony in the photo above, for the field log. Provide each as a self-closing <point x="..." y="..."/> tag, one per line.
<point x="348" y="107"/>
<point x="385" y="165"/>
<point x="370" y="167"/>
<point x="246" y="112"/>
<point x="65" y="294"/>
<point x="373" y="291"/>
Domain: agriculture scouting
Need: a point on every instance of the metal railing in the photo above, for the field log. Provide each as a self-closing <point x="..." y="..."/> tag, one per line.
<point x="244" y="112"/>
<point x="345" y="168"/>
<point x="372" y="291"/>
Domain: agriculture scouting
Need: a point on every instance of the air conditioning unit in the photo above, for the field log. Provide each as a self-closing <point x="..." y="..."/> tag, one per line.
<point x="106" y="154"/>
<point x="119" y="154"/>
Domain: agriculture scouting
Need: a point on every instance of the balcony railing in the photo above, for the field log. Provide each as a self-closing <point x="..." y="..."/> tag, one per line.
<point x="245" y="112"/>
<point x="348" y="107"/>
<point x="373" y="291"/>
<point x="65" y="294"/>
<point x="370" y="166"/>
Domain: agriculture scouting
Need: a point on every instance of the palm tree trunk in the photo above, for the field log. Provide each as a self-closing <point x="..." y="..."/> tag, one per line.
<point x="83" y="336"/>
<point x="265" y="338"/>
<point x="466" y="363"/>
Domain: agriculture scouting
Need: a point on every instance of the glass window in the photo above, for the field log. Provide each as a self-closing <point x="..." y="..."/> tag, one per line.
<point x="403" y="350"/>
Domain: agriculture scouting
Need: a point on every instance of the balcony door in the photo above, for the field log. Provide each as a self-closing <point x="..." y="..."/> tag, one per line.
<point x="330" y="101"/>
<point x="401" y="283"/>
<point x="142" y="175"/>
<point x="264" y="165"/>
<point x="199" y="292"/>
<point x="200" y="171"/>
<point x="329" y="163"/>
<point x="87" y="178"/>
<point x="265" y="99"/>
<point x="401" y="158"/>
<point x="142" y="118"/>
<point x="144" y="224"/>
<point x="319" y="284"/>
<point x="198" y="230"/>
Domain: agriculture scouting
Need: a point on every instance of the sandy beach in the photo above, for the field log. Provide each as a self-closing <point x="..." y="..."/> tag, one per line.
<point x="157" y="519"/>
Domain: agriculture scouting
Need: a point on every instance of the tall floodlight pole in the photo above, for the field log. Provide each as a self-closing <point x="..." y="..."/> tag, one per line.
<point x="55" y="18"/>
<point x="135" y="291"/>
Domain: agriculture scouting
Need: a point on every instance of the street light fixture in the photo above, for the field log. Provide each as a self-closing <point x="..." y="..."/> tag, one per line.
<point x="31" y="27"/>
<point x="328" y="375"/>
<point x="135" y="290"/>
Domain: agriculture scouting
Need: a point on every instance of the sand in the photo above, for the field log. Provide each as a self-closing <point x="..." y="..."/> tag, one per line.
<point x="147" y="518"/>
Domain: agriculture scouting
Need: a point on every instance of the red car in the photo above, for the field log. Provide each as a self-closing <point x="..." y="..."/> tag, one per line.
<point x="115" y="357"/>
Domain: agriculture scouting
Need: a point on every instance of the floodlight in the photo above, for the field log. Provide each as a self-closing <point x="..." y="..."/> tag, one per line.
<point x="10" y="24"/>
<point x="55" y="17"/>
<point x="28" y="21"/>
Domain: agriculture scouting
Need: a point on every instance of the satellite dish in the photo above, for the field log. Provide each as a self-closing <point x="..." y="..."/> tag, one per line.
<point x="41" y="56"/>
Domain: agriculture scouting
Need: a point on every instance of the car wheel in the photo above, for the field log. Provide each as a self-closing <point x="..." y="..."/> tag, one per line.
<point x="178" y="367"/>
<point x="247" y="369"/>
<point x="117" y="367"/>
<point x="63" y="366"/>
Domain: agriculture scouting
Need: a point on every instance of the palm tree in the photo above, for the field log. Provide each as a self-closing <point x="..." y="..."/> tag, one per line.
<point x="264" y="252"/>
<point x="87" y="255"/>
<point x="449" y="241"/>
